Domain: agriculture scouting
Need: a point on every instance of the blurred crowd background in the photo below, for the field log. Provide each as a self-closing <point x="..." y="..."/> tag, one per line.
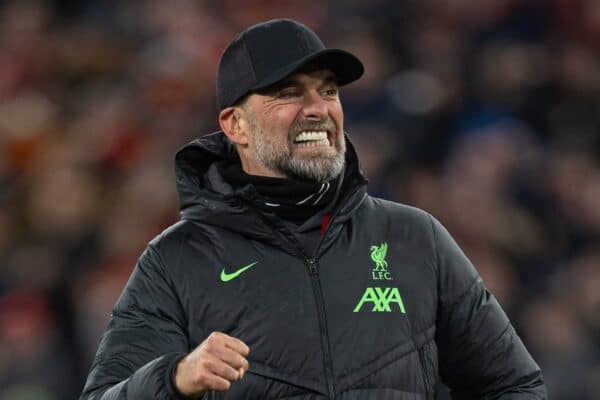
<point x="484" y="113"/>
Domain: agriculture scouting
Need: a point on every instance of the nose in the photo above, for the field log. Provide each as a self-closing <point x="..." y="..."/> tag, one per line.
<point x="314" y="106"/>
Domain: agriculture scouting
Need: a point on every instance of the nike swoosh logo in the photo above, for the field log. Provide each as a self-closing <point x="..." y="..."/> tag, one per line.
<point x="225" y="277"/>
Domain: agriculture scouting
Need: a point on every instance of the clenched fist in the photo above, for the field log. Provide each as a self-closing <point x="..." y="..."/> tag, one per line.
<point x="213" y="365"/>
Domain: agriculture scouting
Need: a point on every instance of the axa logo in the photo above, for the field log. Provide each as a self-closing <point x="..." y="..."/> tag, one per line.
<point x="381" y="300"/>
<point x="378" y="254"/>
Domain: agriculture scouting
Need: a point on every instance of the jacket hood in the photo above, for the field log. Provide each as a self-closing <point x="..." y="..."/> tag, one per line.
<point x="205" y="196"/>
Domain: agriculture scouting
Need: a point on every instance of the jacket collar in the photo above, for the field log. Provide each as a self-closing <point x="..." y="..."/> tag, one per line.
<point x="205" y="196"/>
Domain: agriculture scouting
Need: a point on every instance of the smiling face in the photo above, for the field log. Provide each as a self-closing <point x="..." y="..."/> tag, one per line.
<point x="292" y="129"/>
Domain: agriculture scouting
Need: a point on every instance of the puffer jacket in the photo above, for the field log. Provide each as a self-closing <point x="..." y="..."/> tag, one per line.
<point x="384" y="307"/>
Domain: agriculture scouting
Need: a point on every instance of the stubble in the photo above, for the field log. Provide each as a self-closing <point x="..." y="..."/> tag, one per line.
<point x="322" y="166"/>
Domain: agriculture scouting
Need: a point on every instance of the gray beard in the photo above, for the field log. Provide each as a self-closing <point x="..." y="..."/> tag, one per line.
<point x="321" y="168"/>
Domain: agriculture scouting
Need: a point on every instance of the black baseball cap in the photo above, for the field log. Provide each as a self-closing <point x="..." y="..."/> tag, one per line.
<point x="267" y="52"/>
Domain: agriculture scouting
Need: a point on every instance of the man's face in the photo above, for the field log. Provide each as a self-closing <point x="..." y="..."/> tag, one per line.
<point x="295" y="128"/>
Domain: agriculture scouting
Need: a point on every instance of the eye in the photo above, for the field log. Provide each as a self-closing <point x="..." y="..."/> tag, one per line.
<point x="289" y="93"/>
<point x="332" y="91"/>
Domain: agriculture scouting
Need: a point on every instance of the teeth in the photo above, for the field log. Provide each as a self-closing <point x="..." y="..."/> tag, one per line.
<point x="311" y="135"/>
<point x="314" y="143"/>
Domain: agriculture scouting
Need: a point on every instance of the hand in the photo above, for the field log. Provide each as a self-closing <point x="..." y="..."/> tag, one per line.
<point x="213" y="365"/>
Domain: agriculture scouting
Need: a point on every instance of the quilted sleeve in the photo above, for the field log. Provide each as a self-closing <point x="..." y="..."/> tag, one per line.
<point x="144" y="340"/>
<point x="481" y="355"/>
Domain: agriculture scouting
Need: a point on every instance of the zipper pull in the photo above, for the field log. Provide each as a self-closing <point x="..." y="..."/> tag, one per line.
<point x="312" y="265"/>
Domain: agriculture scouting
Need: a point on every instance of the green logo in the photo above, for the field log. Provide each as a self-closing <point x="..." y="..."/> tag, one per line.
<point x="225" y="277"/>
<point x="382" y="299"/>
<point x="378" y="254"/>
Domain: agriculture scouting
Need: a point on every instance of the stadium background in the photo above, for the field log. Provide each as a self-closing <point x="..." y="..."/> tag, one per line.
<point x="484" y="113"/>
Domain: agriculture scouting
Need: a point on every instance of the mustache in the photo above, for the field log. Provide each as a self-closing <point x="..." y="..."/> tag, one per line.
<point x="306" y="125"/>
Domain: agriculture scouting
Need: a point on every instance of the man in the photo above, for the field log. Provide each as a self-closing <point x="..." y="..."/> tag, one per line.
<point x="284" y="279"/>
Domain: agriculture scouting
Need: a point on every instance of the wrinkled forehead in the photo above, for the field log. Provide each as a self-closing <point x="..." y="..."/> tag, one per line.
<point x="312" y="70"/>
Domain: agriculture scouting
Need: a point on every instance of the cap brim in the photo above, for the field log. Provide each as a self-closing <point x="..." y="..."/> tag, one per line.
<point x="346" y="67"/>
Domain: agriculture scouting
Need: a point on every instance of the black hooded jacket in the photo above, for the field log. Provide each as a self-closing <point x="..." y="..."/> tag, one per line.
<point x="383" y="307"/>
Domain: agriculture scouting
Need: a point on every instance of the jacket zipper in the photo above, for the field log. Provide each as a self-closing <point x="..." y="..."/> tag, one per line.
<point x="311" y="263"/>
<point x="327" y="361"/>
<point x="316" y="283"/>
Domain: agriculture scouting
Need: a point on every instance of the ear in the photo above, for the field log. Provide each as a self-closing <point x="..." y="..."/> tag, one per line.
<point x="233" y="124"/>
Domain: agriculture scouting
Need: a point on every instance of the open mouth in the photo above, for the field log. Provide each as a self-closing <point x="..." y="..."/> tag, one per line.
<point x="312" y="139"/>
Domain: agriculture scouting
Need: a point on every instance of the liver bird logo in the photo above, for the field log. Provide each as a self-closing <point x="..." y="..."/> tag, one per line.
<point x="378" y="254"/>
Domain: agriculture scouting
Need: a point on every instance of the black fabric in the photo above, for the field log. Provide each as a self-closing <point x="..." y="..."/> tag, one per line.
<point x="300" y="315"/>
<point x="205" y="196"/>
<point x="269" y="51"/>
<point x="291" y="199"/>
